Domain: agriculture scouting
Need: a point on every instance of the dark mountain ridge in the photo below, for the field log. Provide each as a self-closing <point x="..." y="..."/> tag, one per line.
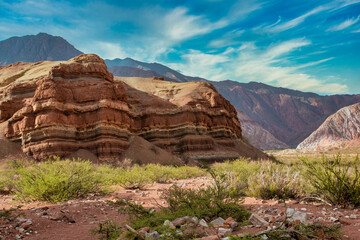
<point x="35" y="48"/>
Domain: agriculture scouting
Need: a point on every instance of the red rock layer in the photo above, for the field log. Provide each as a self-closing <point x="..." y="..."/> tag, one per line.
<point x="67" y="106"/>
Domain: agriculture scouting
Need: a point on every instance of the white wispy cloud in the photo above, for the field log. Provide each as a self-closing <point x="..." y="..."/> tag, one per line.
<point x="179" y="25"/>
<point x="106" y="49"/>
<point x="345" y="24"/>
<point x="228" y="39"/>
<point x="280" y="27"/>
<point x="206" y="65"/>
<point x="282" y="48"/>
<point x="265" y="66"/>
<point x="345" y="3"/>
<point x="269" y="65"/>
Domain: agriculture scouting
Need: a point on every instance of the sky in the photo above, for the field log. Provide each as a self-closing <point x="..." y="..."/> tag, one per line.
<point x="300" y="44"/>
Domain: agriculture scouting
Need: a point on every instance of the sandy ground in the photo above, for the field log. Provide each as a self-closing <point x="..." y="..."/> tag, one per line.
<point x="75" y="219"/>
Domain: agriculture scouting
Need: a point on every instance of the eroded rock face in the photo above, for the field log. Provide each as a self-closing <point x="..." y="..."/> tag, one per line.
<point x="340" y="129"/>
<point x="57" y="108"/>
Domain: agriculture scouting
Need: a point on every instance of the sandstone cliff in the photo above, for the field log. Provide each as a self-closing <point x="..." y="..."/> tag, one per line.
<point x="58" y="108"/>
<point x="341" y="129"/>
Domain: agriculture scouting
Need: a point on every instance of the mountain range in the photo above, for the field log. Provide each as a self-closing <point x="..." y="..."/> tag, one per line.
<point x="36" y="48"/>
<point x="271" y="117"/>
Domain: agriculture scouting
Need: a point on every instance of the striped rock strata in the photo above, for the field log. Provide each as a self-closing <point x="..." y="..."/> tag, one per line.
<point x="57" y="108"/>
<point x="342" y="129"/>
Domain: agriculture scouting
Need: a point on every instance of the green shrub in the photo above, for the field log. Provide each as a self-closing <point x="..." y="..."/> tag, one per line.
<point x="132" y="178"/>
<point x="263" y="179"/>
<point x="56" y="180"/>
<point x="139" y="176"/>
<point x="184" y="172"/>
<point x="165" y="174"/>
<point x="238" y="172"/>
<point x="108" y="230"/>
<point x="276" y="181"/>
<point x="10" y="214"/>
<point x="159" y="173"/>
<point x="214" y="201"/>
<point x="336" y="181"/>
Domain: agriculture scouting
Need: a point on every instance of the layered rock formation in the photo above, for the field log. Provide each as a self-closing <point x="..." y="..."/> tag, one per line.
<point x="58" y="108"/>
<point x="340" y="129"/>
<point x="272" y="118"/>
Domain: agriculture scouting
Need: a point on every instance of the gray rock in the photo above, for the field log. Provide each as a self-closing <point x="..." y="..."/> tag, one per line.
<point x="195" y="219"/>
<point x="169" y="224"/>
<point x="224" y="231"/>
<point x="257" y="220"/>
<point x="217" y="222"/>
<point x="234" y="225"/>
<point x="293" y="215"/>
<point x="203" y="223"/>
<point x="182" y="221"/>
<point x="353" y="216"/>
<point x="152" y="236"/>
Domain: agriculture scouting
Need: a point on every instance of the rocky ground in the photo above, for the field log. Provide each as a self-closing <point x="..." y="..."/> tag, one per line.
<point x="75" y="219"/>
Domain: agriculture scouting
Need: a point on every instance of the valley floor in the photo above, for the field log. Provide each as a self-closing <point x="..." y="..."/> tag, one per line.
<point x="76" y="218"/>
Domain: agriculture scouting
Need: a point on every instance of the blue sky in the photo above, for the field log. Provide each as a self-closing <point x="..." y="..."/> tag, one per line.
<point x="305" y="45"/>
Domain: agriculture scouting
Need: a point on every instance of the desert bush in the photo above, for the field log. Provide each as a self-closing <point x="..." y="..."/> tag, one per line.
<point x="138" y="176"/>
<point x="184" y="172"/>
<point x="108" y="230"/>
<point x="159" y="173"/>
<point x="263" y="179"/>
<point x="238" y="172"/>
<point x="132" y="178"/>
<point x="56" y="180"/>
<point x="276" y="181"/>
<point x="165" y="174"/>
<point x="214" y="201"/>
<point x="335" y="180"/>
<point x="10" y="214"/>
<point x="299" y="231"/>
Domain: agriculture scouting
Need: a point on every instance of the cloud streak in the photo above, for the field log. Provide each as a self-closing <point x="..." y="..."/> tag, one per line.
<point x="261" y="65"/>
<point x="280" y="27"/>
<point x="345" y="24"/>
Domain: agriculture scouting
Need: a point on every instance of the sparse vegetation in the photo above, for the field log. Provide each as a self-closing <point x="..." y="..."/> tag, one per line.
<point x="266" y="180"/>
<point x="55" y="180"/>
<point x="335" y="180"/>
<point x="207" y="203"/>
<point x="276" y="182"/>
<point x="108" y="230"/>
<point x="300" y="231"/>
<point x="10" y="214"/>
<point x="59" y="180"/>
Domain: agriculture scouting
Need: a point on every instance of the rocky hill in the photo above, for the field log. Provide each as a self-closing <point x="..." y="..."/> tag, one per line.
<point x="158" y="68"/>
<point x="61" y="108"/>
<point x="34" y="48"/>
<point x="288" y="115"/>
<point x="341" y="129"/>
<point x="273" y="118"/>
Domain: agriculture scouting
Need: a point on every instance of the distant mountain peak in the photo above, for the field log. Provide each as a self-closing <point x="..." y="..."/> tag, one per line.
<point x="35" y="48"/>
